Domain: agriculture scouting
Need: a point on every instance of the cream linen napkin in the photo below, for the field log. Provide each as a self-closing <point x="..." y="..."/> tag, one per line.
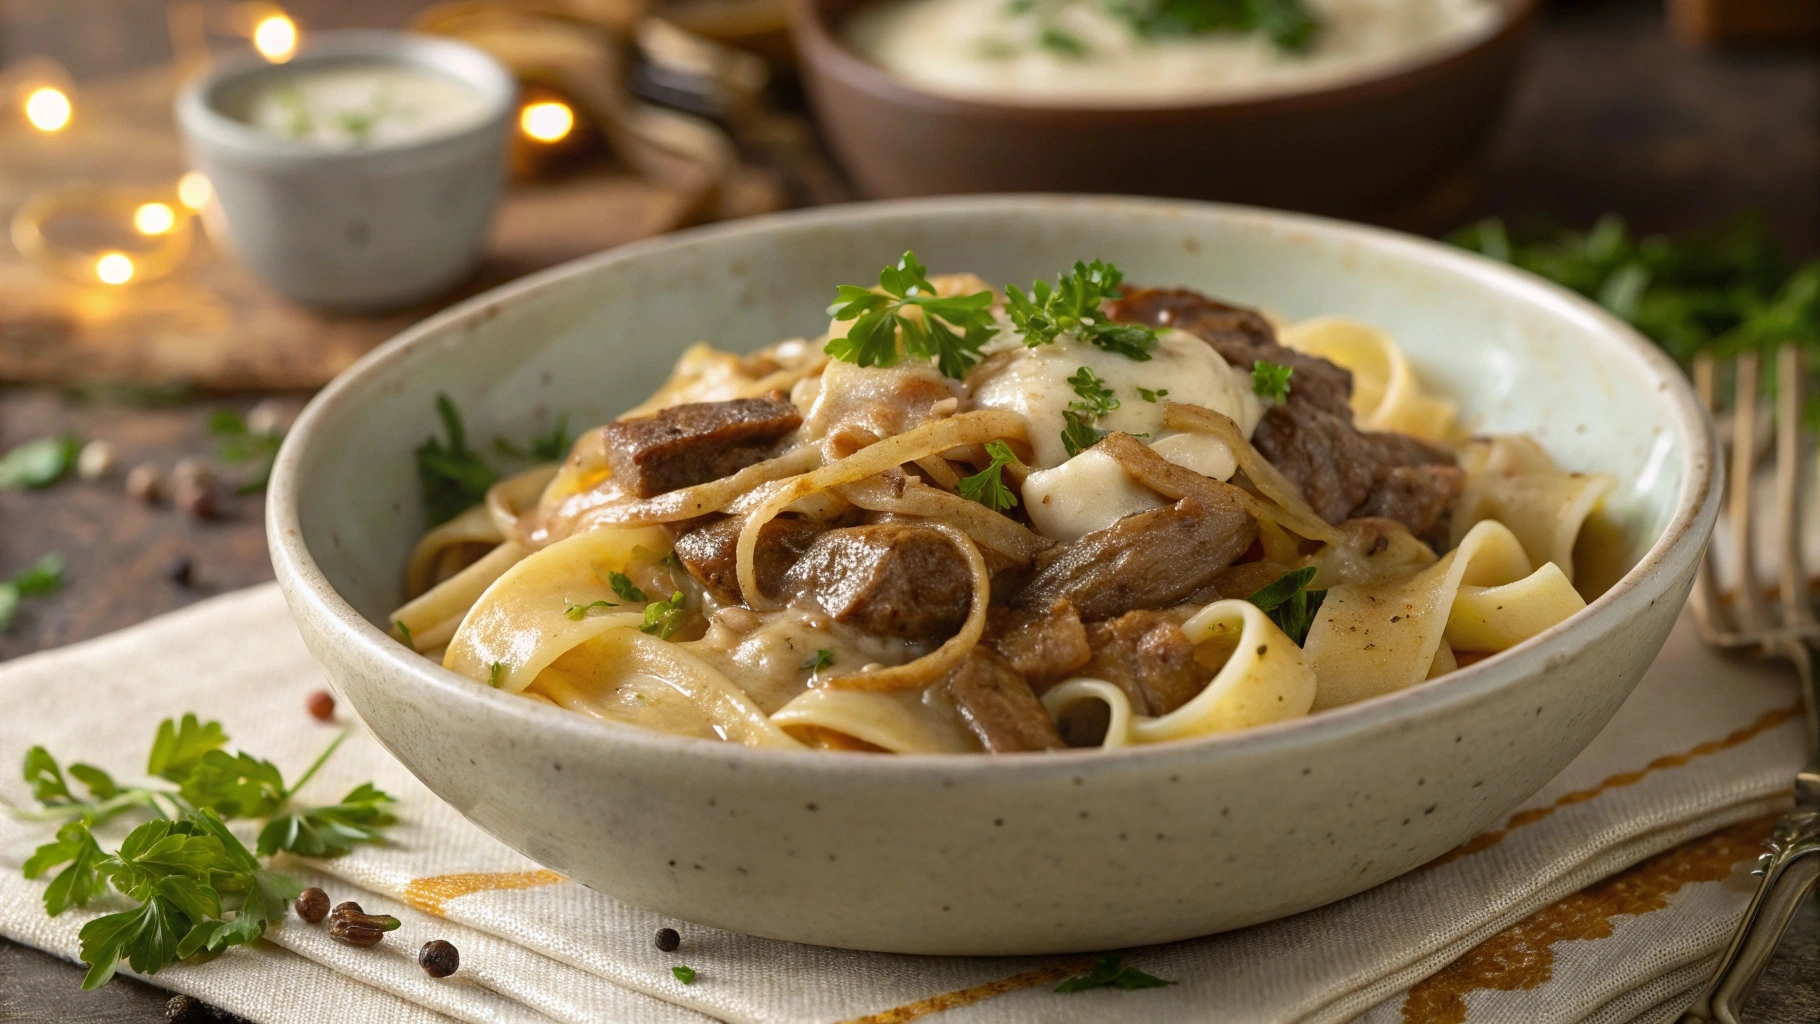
<point x="1602" y="900"/>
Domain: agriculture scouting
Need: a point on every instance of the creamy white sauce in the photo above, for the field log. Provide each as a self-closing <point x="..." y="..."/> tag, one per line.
<point x="1088" y="492"/>
<point x="360" y="104"/>
<point x="981" y="49"/>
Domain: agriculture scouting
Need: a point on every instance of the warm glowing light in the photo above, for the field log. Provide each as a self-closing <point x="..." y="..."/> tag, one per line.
<point x="47" y="108"/>
<point x="154" y="218"/>
<point x="194" y="190"/>
<point x="547" y="122"/>
<point x="114" y="268"/>
<point x="275" y="37"/>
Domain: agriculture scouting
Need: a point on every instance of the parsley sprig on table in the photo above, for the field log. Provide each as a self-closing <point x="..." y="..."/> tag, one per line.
<point x="905" y="317"/>
<point x="198" y="889"/>
<point x="39" y="463"/>
<point x="1072" y="307"/>
<point x="988" y="485"/>
<point x="1290" y="604"/>
<point x="41" y="578"/>
<point x="1107" y="973"/>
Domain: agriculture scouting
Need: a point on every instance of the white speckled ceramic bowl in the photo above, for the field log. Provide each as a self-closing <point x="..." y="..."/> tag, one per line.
<point x="974" y="854"/>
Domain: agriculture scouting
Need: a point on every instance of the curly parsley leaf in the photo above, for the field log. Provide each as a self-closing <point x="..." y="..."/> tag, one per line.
<point x="329" y="831"/>
<point x="1290" y="604"/>
<point x="452" y="476"/>
<point x="1107" y="973"/>
<point x="180" y="746"/>
<point x="664" y="618"/>
<point x="948" y="330"/>
<point x="39" y="463"/>
<point x="1270" y="381"/>
<point x="1072" y="307"/>
<point x="988" y="486"/>
<point x="1096" y="398"/>
<point x="1078" y="433"/>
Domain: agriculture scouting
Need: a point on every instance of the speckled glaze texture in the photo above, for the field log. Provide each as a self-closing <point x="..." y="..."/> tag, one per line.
<point x="1030" y="853"/>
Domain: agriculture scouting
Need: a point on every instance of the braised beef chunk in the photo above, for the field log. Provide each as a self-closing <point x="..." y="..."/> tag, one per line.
<point x="1151" y="559"/>
<point x="1147" y="655"/>
<point x="999" y="706"/>
<point x="692" y="444"/>
<point x="892" y="578"/>
<point x="1342" y="471"/>
<point x="1243" y="337"/>
<point x="1044" y="645"/>
<point x="710" y="553"/>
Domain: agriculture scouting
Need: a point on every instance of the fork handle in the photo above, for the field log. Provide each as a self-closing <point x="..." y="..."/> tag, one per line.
<point x="1790" y="872"/>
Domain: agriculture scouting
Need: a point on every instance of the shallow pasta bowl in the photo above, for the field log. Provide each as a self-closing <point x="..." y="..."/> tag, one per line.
<point x="1023" y="853"/>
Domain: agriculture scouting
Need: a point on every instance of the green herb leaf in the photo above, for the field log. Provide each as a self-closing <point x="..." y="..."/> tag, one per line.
<point x="452" y="477"/>
<point x="988" y="486"/>
<point x="45" y="777"/>
<point x="39" y="463"/>
<point x="623" y="586"/>
<point x="45" y="576"/>
<point x="237" y="444"/>
<point x="329" y="831"/>
<point x="234" y="785"/>
<point x="1073" y="307"/>
<point x="1078" y="434"/>
<point x="664" y="618"/>
<point x="1096" y="397"/>
<point x="822" y="659"/>
<point x="81" y="880"/>
<point x="1061" y="42"/>
<point x="1290" y="604"/>
<point x="881" y="322"/>
<point x="404" y="631"/>
<point x="496" y="674"/>
<point x="684" y="973"/>
<point x="180" y="746"/>
<point x="1288" y="24"/>
<point x="1270" y="381"/>
<point x="146" y="937"/>
<point x="1107" y="973"/>
<point x="578" y="612"/>
<point x="551" y="447"/>
<point x="1151" y="396"/>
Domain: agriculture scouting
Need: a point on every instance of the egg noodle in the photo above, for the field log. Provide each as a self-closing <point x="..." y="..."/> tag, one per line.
<point x="567" y="586"/>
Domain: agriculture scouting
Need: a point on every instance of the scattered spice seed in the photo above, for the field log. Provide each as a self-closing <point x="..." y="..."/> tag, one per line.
<point x="349" y="924"/>
<point x="180" y="570"/>
<point x="313" y="905"/>
<point x="668" y="940"/>
<point x="196" y="498"/>
<point x="438" y="958"/>
<point x="144" y="483"/>
<point x="267" y="417"/>
<point x="95" y="459"/>
<point x="322" y="705"/>
<point x="179" y="1009"/>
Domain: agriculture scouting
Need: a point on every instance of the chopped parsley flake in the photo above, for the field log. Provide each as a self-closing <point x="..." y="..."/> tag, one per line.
<point x="1150" y="396"/>
<point x="496" y="675"/>
<point x="1096" y="397"/>
<point x="1290" y="604"/>
<point x="988" y="486"/>
<point x="664" y="618"/>
<point x="684" y="973"/>
<point x="405" y="632"/>
<point x="822" y="659"/>
<point x="1079" y="434"/>
<point x="1270" y="381"/>
<point x="578" y="612"/>
<point x="623" y="586"/>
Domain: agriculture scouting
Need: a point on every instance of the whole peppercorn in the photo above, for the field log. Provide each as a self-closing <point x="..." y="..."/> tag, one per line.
<point x="668" y="940"/>
<point x="438" y="959"/>
<point x="313" y="905"/>
<point x="145" y="483"/>
<point x="180" y="570"/>
<point x="321" y="705"/>
<point x="195" y="498"/>
<point x="180" y="1009"/>
<point x="349" y="924"/>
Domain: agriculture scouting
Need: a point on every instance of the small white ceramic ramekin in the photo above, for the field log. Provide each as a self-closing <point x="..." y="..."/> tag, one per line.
<point x="352" y="229"/>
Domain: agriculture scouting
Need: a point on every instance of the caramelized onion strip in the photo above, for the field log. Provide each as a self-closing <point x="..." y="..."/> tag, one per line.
<point x="890" y="453"/>
<point x="1295" y="513"/>
<point x="933" y="666"/>
<point x="713" y="496"/>
<point x="987" y="528"/>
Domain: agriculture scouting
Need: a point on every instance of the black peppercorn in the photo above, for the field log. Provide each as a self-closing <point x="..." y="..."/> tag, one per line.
<point x="438" y="958"/>
<point x="180" y="1009"/>
<point x="668" y="939"/>
<point x="180" y="570"/>
<point x="313" y="905"/>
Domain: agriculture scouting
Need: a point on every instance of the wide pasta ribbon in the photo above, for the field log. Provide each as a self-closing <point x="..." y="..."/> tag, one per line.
<point x="1481" y="596"/>
<point x="1511" y="479"/>
<point x="1386" y="395"/>
<point x="1265" y="679"/>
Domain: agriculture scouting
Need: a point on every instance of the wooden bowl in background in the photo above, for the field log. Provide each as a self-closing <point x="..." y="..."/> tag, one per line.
<point x="1360" y="149"/>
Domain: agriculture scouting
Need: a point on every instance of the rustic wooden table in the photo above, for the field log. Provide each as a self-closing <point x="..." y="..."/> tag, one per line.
<point x="1613" y="116"/>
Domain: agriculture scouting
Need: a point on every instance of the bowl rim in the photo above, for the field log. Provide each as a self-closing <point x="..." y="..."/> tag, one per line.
<point x="1684" y="536"/>
<point x="823" y="52"/>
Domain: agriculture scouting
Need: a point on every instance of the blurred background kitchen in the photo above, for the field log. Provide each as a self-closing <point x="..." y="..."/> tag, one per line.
<point x="171" y="295"/>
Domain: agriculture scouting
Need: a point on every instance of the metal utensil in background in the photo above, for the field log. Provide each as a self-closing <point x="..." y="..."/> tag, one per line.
<point x="1781" y="628"/>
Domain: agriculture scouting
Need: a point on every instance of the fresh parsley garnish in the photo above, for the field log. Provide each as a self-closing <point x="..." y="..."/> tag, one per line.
<point x="404" y="631"/>
<point x="623" y="586"/>
<point x="1107" y="973"/>
<point x="1078" y="433"/>
<point x="1290" y="604"/>
<point x="1072" y="307"/>
<point x="1096" y="397"/>
<point x="578" y="612"/>
<point x="1151" y="396"/>
<point x="1270" y="381"/>
<point x="551" y="447"/>
<point x="950" y="330"/>
<point x="237" y="444"/>
<point x="496" y="674"/>
<point x="684" y="973"/>
<point x="454" y="479"/>
<point x="821" y="659"/>
<point x="664" y="618"/>
<point x="39" y="463"/>
<point x="988" y="486"/>
<point x="1288" y="24"/>
<point x="1061" y="42"/>
<point x="42" y="578"/>
<point x="198" y="889"/>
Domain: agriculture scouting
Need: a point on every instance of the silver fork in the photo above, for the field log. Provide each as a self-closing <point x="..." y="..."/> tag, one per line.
<point x="1781" y="629"/>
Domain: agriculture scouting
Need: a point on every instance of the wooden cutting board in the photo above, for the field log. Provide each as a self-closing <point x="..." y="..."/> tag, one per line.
<point x="210" y="323"/>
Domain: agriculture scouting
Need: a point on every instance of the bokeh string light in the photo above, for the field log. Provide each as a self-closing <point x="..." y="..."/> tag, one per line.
<point x="275" y="37"/>
<point x="548" y="121"/>
<point x="48" y="108"/>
